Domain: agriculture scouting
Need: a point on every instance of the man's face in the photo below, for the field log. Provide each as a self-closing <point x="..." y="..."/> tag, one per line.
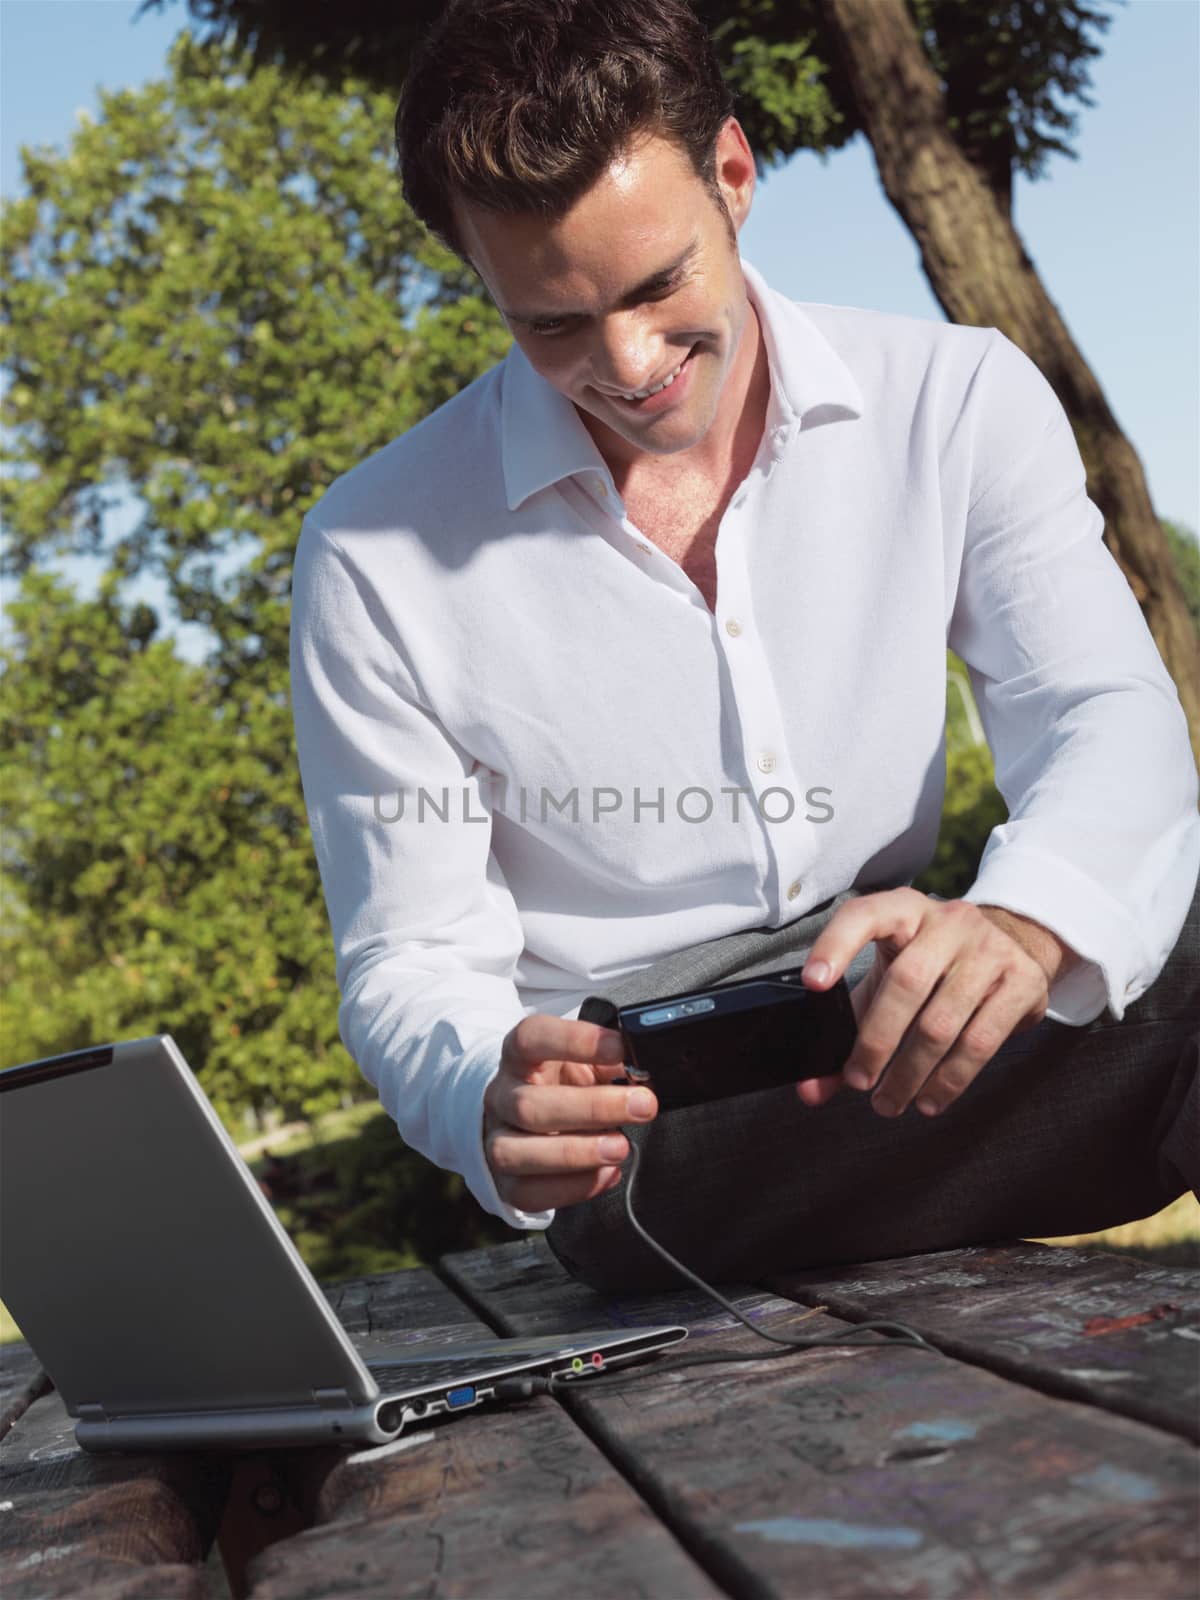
<point x="640" y="279"/>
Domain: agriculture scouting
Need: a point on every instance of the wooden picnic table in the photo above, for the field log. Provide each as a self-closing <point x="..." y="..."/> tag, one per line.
<point x="1047" y="1449"/>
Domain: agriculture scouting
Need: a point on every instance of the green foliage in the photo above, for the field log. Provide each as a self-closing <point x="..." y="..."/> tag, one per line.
<point x="1186" y="549"/>
<point x="214" y="297"/>
<point x="972" y="808"/>
<point x="364" y="1203"/>
<point x="1009" y="69"/>
<point x="157" y="873"/>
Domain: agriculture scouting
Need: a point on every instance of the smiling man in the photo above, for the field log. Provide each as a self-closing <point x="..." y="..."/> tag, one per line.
<point x="657" y="346"/>
<point x="642" y="640"/>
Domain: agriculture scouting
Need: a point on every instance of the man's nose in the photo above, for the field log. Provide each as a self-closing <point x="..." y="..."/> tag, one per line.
<point x="629" y="355"/>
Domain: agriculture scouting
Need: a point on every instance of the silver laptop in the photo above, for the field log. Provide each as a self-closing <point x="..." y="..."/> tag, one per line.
<point x="166" y="1301"/>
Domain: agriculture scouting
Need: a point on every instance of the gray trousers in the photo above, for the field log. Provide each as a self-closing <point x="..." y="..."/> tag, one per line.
<point x="1065" y="1130"/>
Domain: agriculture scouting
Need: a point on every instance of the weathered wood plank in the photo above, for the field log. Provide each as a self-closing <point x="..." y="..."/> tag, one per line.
<point x="111" y="1528"/>
<point x="1085" y="1324"/>
<point x="400" y="1305"/>
<point x="845" y="1473"/>
<point x="495" y="1502"/>
<point x="22" y="1380"/>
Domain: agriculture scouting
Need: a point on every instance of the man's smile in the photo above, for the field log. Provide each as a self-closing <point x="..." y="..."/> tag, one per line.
<point x="666" y="392"/>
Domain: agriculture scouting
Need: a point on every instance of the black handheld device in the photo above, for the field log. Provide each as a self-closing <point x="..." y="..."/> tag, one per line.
<point x="737" y="1037"/>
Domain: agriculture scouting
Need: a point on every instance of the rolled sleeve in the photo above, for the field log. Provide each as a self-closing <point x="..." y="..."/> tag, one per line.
<point x="425" y="930"/>
<point x="1089" y="740"/>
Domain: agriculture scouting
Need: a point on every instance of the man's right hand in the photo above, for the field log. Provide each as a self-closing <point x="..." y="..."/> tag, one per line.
<point x="552" y="1115"/>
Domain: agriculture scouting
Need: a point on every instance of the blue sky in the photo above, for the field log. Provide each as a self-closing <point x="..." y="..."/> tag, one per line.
<point x="1115" y="235"/>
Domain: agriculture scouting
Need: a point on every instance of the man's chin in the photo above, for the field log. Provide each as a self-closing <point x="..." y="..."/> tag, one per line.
<point x="678" y="430"/>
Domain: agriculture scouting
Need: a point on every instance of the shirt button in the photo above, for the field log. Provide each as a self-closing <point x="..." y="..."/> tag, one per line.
<point x="766" y="763"/>
<point x="794" y="889"/>
<point x="645" y="549"/>
<point x="602" y="490"/>
<point x="733" y="626"/>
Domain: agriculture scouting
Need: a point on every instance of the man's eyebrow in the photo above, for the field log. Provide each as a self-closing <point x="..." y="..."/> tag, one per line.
<point x="668" y="271"/>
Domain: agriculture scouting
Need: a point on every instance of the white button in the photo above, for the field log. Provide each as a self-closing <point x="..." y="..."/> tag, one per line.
<point x="602" y="490"/>
<point x="766" y="763"/>
<point x="1130" y="988"/>
<point x="794" y="889"/>
<point x="733" y="626"/>
<point x="645" y="549"/>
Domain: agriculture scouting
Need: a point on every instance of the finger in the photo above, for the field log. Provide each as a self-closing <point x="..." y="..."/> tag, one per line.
<point x="514" y="1154"/>
<point x="582" y="1073"/>
<point x="545" y="1194"/>
<point x="986" y="1031"/>
<point x="819" y="1091"/>
<point x="862" y="994"/>
<point x="895" y="915"/>
<point x="903" y="995"/>
<point x="567" y="1108"/>
<point x="539" y="1038"/>
<point x="988" y="988"/>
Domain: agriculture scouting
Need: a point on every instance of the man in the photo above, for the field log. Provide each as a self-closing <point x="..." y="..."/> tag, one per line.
<point x="628" y="664"/>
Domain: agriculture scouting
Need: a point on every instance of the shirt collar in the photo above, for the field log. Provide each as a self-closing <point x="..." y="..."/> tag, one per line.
<point x="810" y="383"/>
<point x="544" y="441"/>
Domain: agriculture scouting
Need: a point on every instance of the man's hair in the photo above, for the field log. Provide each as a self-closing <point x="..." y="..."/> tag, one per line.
<point x="519" y="106"/>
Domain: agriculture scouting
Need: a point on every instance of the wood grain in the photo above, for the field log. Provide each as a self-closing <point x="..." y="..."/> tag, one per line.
<point x="110" y="1528"/>
<point x="512" y="1501"/>
<point x="1085" y="1324"/>
<point x="848" y="1473"/>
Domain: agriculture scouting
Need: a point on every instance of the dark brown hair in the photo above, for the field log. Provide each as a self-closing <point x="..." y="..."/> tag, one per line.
<point x="520" y="106"/>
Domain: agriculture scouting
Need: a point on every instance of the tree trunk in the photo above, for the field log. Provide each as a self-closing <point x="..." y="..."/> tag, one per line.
<point x="981" y="275"/>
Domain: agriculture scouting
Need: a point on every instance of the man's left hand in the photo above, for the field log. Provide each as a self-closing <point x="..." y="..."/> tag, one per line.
<point x="951" y="982"/>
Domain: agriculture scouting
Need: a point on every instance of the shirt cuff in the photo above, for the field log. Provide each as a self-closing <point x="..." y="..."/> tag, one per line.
<point x="476" y="1070"/>
<point x="1114" y="969"/>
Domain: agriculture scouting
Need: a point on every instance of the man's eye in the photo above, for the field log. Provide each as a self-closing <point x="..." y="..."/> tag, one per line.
<point x="547" y="330"/>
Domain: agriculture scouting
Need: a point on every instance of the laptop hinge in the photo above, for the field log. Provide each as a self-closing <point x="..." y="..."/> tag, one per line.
<point x="92" y="1413"/>
<point x="331" y="1399"/>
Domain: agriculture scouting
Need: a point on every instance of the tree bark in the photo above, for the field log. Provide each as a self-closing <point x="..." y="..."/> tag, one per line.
<point x="981" y="274"/>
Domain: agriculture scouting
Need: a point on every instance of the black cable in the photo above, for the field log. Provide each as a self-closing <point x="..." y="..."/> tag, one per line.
<point x="897" y="1333"/>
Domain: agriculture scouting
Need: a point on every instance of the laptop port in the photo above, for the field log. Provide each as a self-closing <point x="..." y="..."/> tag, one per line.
<point x="461" y="1397"/>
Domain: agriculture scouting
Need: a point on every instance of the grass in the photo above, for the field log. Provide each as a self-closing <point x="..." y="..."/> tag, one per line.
<point x="1171" y="1237"/>
<point x="356" y="1201"/>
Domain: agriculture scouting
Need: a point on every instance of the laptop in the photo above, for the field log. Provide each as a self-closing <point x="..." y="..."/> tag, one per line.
<point x="166" y="1301"/>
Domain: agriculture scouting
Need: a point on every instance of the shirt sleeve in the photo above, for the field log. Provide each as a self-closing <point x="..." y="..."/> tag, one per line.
<point x="425" y="930"/>
<point x="1089" y="740"/>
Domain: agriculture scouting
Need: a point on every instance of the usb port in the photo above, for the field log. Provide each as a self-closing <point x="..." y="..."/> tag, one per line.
<point x="460" y="1397"/>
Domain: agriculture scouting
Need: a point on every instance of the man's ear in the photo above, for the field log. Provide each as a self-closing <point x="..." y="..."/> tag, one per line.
<point x="735" y="171"/>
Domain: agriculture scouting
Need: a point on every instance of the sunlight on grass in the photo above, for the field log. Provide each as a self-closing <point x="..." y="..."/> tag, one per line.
<point x="1170" y="1237"/>
<point x="335" y="1125"/>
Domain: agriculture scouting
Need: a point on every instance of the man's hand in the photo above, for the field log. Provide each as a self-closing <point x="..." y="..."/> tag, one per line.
<point x="552" y="1115"/>
<point x="950" y="983"/>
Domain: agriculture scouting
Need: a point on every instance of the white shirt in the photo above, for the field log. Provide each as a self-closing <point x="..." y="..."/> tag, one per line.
<point x="475" y="615"/>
